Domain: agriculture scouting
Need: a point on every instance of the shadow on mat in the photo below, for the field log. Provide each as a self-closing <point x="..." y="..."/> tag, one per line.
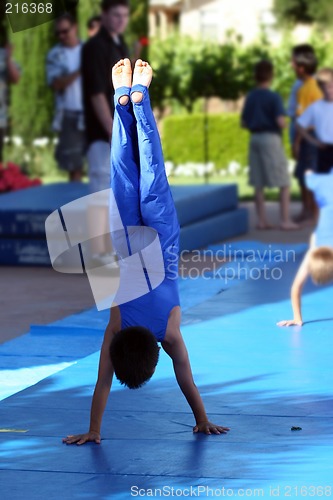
<point x="323" y="320"/>
<point x="148" y="440"/>
<point x="248" y="294"/>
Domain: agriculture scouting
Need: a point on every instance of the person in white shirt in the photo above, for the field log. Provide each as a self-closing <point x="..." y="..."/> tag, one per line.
<point x="64" y="77"/>
<point x="319" y="117"/>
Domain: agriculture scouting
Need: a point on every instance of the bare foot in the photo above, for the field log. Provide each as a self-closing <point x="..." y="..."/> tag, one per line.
<point x="122" y="77"/>
<point x="143" y="75"/>
<point x="289" y="226"/>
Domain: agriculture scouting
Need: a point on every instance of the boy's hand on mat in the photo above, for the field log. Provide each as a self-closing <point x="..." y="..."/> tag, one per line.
<point x="209" y="428"/>
<point x="290" y="322"/>
<point x="79" y="439"/>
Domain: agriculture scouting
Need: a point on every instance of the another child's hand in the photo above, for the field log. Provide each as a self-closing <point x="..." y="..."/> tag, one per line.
<point x="290" y="322"/>
<point x="209" y="428"/>
<point x="79" y="439"/>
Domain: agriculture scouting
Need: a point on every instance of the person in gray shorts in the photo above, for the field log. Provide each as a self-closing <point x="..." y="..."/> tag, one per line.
<point x="264" y="116"/>
<point x="64" y="77"/>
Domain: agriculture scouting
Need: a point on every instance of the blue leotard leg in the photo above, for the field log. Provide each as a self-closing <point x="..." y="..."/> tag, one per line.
<point x="143" y="198"/>
<point x="125" y="171"/>
<point x="156" y="202"/>
<point x="125" y="166"/>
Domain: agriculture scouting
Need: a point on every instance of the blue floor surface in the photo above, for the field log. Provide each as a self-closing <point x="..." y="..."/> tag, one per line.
<point x="254" y="377"/>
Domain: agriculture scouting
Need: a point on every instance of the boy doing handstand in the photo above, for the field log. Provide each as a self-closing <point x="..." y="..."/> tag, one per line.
<point x="143" y="197"/>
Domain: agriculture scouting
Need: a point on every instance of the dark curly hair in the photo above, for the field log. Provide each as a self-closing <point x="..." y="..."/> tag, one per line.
<point x="134" y="354"/>
<point x="305" y="57"/>
<point x="263" y="71"/>
<point x="109" y="4"/>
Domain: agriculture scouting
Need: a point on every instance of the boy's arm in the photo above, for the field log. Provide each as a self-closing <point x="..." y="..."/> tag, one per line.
<point x="101" y="393"/>
<point x="279" y="112"/>
<point x="305" y="134"/>
<point x="296" y="144"/>
<point x="175" y="347"/>
<point x="306" y="122"/>
<point x="296" y="292"/>
<point x="103" y="113"/>
<point x="281" y="121"/>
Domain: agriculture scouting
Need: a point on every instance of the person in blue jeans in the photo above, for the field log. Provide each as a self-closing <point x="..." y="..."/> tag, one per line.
<point x="143" y="197"/>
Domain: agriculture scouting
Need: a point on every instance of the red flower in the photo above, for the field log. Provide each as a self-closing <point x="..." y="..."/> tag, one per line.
<point x="144" y="41"/>
<point x="12" y="179"/>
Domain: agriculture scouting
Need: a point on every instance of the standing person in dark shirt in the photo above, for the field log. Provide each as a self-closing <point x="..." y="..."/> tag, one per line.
<point x="99" y="55"/>
<point x="264" y="116"/>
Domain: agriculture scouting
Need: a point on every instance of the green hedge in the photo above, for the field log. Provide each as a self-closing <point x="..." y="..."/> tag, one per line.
<point x="184" y="137"/>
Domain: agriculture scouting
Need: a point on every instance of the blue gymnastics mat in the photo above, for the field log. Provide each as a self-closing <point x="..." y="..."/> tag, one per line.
<point x="207" y="214"/>
<point x="23" y="213"/>
<point x="216" y="228"/>
<point x="254" y="377"/>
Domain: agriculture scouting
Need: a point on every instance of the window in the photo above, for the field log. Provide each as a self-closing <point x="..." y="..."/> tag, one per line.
<point x="209" y="24"/>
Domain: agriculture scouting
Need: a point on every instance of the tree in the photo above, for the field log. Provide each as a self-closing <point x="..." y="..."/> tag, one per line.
<point x="304" y="11"/>
<point x="186" y="72"/>
<point x="31" y="100"/>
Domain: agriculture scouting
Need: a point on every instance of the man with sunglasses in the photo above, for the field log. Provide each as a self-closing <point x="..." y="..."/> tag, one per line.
<point x="63" y="70"/>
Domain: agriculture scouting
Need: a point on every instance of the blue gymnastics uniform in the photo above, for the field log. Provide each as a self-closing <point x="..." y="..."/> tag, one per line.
<point x="322" y="187"/>
<point x="143" y="197"/>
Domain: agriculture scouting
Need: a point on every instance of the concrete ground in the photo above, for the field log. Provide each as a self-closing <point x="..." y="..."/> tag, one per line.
<point x="40" y="295"/>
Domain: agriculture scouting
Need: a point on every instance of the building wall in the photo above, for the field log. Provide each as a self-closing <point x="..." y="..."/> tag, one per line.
<point x="214" y="18"/>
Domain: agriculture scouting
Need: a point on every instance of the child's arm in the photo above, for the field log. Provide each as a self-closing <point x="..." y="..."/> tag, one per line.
<point x="101" y="394"/>
<point x="175" y="347"/>
<point x="281" y="121"/>
<point x="279" y="112"/>
<point x="296" y="292"/>
<point x="305" y="134"/>
<point x="296" y="145"/>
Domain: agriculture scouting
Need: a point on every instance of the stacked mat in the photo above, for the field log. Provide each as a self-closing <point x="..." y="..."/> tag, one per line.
<point x="207" y="214"/>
